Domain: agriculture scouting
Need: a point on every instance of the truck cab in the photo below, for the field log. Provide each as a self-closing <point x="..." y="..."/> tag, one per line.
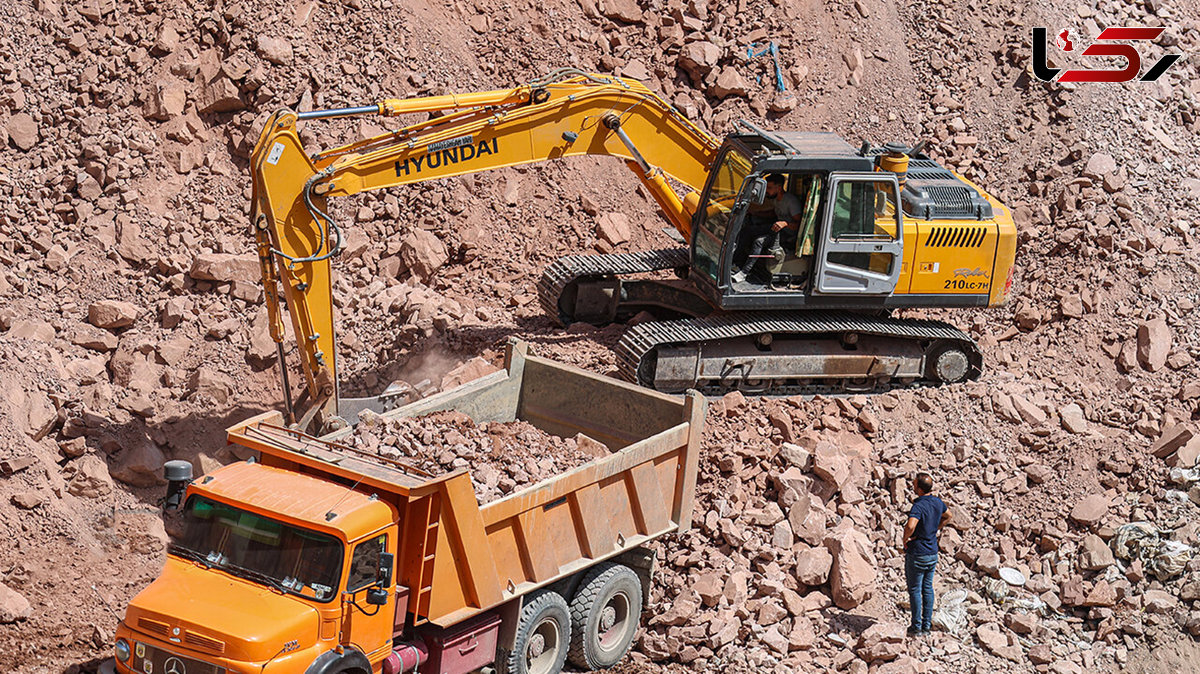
<point x="261" y="573"/>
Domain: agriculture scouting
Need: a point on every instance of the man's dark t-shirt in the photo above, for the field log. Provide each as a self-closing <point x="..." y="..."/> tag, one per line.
<point x="928" y="510"/>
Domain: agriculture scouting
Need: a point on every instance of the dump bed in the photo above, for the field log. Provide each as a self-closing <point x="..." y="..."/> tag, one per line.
<point x="457" y="558"/>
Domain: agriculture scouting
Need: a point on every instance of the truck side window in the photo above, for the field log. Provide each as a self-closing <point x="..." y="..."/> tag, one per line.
<point x="364" y="564"/>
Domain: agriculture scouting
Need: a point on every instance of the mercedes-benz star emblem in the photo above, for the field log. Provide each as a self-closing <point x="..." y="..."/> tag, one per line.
<point x="174" y="666"/>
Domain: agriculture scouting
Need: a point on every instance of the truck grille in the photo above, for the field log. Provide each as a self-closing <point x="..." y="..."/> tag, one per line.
<point x="147" y="658"/>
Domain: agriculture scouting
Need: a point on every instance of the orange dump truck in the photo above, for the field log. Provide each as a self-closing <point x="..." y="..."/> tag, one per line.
<point x="315" y="558"/>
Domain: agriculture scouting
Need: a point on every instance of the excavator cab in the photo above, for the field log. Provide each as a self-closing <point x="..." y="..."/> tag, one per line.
<point x="845" y="247"/>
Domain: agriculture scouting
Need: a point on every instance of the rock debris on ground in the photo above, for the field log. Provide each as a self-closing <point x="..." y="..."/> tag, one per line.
<point x="133" y="330"/>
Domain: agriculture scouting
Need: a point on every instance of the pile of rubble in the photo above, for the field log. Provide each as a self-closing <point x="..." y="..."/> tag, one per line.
<point x="794" y="561"/>
<point x="502" y="457"/>
<point x="776" y="542"/>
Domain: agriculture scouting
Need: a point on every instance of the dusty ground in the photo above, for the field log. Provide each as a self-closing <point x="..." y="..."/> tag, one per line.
<point x="126" y="127"/>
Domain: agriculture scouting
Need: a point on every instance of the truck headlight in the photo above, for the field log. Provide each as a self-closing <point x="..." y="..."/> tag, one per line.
<point x="121" y="650"/>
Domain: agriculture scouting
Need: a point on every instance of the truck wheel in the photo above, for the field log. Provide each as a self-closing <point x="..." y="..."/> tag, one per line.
<point x="605" y="614"/>
<point x="543" y="633"/>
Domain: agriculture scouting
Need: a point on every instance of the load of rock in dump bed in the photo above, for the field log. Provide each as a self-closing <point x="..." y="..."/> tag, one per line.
<point x="501" y="457"/>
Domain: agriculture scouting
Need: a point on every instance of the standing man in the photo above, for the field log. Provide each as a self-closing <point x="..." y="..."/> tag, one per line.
<point x="927" y="515"/>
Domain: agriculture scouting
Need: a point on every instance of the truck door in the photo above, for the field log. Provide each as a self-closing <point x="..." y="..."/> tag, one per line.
<point x="369" y="627"/>
<point x="861" y="245"/>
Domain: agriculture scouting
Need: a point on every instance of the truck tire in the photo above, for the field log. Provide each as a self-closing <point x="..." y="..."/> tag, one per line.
<point x="543" y="637"/>
<point x="605" y="614"/>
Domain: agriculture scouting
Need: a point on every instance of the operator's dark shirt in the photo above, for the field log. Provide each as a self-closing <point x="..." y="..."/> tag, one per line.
<point x="928" y="510"/>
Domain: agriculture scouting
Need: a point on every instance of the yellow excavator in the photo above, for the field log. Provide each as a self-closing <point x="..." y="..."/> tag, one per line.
<point x="866" y="231"/>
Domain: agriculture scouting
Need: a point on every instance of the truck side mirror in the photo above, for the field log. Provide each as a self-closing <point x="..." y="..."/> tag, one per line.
<point x="756" y="190"/>
<point x="386" y="562"/>
<point x="377" y="596"/>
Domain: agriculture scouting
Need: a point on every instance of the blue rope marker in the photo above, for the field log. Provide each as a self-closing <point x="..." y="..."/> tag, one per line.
<point x="772" y="49"/>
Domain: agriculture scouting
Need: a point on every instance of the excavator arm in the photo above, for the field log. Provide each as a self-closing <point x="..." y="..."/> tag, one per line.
<point x="566" y="114"/>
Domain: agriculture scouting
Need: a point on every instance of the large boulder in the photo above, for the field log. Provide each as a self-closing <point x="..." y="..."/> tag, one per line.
<point x="1153" y="344"/>
<point x="831" y="464"/>
<point x="998" y="642"/>
<point x="881" y="642"/>
<point x="1094" y="554"/>
<point x="852" y="577"/>
<point x="423" y="253"/>
<point x="91" y="479"/>
<point x="1171" y="439"/>
<point x="224" y="268"/>
<point x="467" y="372"/>
<point x="613" y="228"/>
<point x="23" y="131"/>
<point x="626" y="11"/>
<point x="216" y="386"/>
<point x="277" y="50"/>
<point x="13" y="606"/>
<point x="112" y="314"/>
<point x="698" y="59"/>
<point x="813" y="566"/>
<point x="139" y="464"/>
<point x="729" y="83"/>
<point x="1090" y="510"/>
<point x="220" y="94"/>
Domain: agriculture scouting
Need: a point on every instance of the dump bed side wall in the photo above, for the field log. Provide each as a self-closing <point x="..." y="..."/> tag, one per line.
<point x="547" y="532"/>
<point x="565" y="402"/>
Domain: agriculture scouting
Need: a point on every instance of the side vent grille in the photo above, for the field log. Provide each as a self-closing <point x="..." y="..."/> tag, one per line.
<point x="153" y="626"/>
<point x="202" y="641"/>
<point x="956" y="237"/>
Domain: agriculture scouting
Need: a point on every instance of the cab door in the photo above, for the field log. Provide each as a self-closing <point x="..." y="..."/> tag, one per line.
<point x="861" y="244"/>
<point x="717" y="220"/>
<point x="369" y="626"/>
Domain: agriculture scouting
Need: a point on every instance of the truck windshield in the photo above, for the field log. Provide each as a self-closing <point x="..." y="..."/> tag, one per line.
<point x="287" y="558"/>
<point x="730" y="173"/>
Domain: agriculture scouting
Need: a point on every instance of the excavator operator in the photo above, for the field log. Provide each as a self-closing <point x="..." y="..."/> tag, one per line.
<point x="772" y="225"/>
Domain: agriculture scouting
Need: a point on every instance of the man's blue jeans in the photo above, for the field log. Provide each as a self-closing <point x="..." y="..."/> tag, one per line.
<point x="918" y="572"/>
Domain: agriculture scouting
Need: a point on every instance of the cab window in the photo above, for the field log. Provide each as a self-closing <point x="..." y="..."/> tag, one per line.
<point x="364" y="563"/>
<point x="260" y="549"/>
<point x="864" y="210"/>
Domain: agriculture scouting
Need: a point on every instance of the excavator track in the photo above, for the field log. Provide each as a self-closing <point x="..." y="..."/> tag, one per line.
<point x="566" y="270"/>
<point x="791" y="353"/>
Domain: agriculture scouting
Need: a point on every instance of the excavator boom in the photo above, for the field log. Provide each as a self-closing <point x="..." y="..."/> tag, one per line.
<point x="567" y="114"/>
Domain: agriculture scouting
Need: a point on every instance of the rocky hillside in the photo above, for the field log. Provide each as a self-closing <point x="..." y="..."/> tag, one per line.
<point x="133" y="329"/>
